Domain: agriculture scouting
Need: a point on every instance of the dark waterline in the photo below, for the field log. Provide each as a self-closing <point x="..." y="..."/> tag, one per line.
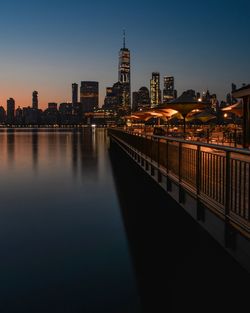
<point x="83" y="229"/>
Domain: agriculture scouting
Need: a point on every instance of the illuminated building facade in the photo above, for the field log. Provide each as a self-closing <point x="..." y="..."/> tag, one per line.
<point x="168" y="91"/>
<point x="89" y="95"/>
<point x="124" y="75"/>
<point x="155" y="91"/>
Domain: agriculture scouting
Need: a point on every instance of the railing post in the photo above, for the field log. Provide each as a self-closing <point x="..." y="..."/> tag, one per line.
<point x="167" y="157"/>
<point x="200" y="213"/>
<point x="229" y="232"/>
<point x="198" y="170"/>
<point x="151" y="148"/>
<point x="227" y="185"/>
<point x="158" y="160"/>
<point x="143" y="145"/>
<point x="158" y="152"/>
<point x="169" y="185"/>
<point x="181" y="193"/>
<point x="180" y="161"/>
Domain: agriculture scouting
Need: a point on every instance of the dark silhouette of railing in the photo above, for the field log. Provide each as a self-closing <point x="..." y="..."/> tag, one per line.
<point x="218" y="176"/>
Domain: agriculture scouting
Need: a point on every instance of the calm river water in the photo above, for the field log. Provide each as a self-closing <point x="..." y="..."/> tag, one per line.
<point x="62" y="240"/>
<point x="82" y="229"/>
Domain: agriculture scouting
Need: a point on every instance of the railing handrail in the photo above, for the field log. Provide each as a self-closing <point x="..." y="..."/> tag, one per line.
<point x="196" y="143"/>
<point x="220" y="180"/>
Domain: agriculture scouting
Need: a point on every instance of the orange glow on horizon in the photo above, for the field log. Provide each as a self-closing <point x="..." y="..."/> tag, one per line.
<point x="23" y="98"/>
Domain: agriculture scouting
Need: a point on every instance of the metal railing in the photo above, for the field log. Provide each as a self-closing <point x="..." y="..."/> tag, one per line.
<point x="217" y="174"/>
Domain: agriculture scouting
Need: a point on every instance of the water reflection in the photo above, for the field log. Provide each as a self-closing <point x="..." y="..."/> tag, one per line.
<point x="84" y="151"/>
<point x="62" y="241"/>
<point x="74" y="142"/>
<point x="35" y="149"/>
<point x="88" y="154"/>
<point x="10" y="146"/>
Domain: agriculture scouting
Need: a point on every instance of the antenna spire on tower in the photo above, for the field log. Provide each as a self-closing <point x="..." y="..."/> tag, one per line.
<point x="124" y="39"/>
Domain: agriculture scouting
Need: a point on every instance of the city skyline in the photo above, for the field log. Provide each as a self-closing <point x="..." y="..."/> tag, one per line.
<point x="44" y="50"/>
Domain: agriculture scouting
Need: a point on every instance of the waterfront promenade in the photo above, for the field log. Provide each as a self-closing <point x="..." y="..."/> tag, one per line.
<point x="211" y="182"/>
<point x="221" y="135"/>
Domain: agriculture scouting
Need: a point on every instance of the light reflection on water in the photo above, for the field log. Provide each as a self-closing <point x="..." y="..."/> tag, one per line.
<point x="62" y="241"/>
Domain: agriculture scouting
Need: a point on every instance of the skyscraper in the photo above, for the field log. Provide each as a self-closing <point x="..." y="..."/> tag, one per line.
<point x="113" y="99"/>
<point x="168" y="91"/>
<point x="10" y="110"/>
<point x="155" y="91"/>
<point x="135" y="100"/>
<point x="89" y="95"/>
<point x="35" y="100"/>
<point x="2" y="114"/>
<point x="141" y="99"/>
<point x="74" y="94"/>
<point x="124" y="75"/>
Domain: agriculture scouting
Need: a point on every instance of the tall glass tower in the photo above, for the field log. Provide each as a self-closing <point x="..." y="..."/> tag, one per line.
<point x="89" y="95"/>
<point x="155" y="91"/>
<point x="168" y="91"/>
<point x="124" y="75"/>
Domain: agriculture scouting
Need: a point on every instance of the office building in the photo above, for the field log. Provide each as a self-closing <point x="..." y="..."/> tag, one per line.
<point x="19" y="116"/>
<point x="35" y="100"/>
<point x="10" y="110"/>
<point x="155" y="91"/>
<point x="2" y="114"/>
<point x="74" y="94"/>
<point x="141" y="99"/>
<point x="135" y="100"/>
<point x="168" y="91"/>
<point x="89" y="95"/>
<point x="114" y="97"/>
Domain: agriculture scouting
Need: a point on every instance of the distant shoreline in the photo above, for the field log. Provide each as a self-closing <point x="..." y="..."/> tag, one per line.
<point x="48" y="128"/>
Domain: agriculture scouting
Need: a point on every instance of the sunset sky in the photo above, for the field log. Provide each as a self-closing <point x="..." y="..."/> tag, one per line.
<point x="46" y="45"/>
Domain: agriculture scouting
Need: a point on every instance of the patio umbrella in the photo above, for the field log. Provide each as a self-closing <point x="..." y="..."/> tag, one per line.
<point x="186" y="103"/>
<point x="152" y="113"/>
<point x="236" y="108"/>
<point x="203" y="116"/>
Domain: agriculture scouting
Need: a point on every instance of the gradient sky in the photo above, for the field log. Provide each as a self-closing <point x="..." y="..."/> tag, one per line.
<point x="48" y="44"/>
